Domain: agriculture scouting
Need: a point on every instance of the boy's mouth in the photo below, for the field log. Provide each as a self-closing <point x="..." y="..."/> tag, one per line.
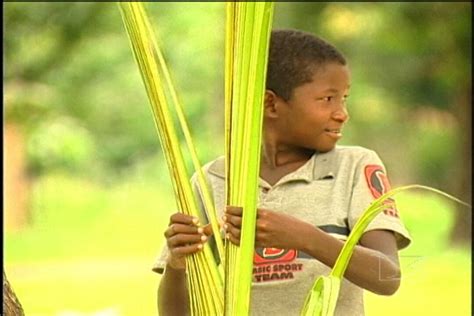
<point x="336" y="132"/>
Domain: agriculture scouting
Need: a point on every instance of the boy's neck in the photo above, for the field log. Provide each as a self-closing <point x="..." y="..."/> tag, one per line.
<point x="275" y="156"/>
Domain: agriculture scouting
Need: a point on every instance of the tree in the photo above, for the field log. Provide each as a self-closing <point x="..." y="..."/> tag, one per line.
<point x="11" y="304"/>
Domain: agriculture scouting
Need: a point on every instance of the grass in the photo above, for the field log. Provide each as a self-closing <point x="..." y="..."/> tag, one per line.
<point x="436" y="278"/>
<point x="121" y="286"/>
<point x="91" y="249"/>
<point x="432" y="285"/>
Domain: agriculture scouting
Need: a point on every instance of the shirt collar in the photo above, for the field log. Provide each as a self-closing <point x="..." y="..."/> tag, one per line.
<point x="325" y="165"/>
<point x="318" y="167"/>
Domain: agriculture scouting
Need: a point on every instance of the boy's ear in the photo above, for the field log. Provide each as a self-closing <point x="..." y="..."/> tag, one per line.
<point x="270" y="104"/>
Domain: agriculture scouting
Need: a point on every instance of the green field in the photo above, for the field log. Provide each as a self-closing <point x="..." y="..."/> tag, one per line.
<point x="91" y="249"/>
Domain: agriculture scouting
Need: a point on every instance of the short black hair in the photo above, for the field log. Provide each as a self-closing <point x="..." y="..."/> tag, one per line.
<point x="293" y="58"/>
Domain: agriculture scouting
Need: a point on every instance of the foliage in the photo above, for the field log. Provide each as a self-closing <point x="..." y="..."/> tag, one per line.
<point x="80" y="69"/>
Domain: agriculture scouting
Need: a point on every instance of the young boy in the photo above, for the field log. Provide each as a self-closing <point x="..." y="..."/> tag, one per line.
<point x="311" y="193"/>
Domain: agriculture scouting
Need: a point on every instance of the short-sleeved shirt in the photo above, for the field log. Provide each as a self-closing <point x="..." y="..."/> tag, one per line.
<point x="330" y="191"/>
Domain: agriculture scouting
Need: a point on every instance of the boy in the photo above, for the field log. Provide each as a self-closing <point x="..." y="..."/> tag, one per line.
<point x="311" y="193"/>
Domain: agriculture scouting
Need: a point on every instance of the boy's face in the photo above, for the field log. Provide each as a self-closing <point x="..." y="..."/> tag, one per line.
<point x="316" y="112"/>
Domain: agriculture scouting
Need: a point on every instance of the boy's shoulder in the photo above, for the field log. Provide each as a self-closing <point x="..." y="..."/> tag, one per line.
<point x="346" y="152"/>
<point x="344" y="159"/>
<point x="216" y="167"/>
<point x="352" y="151"/>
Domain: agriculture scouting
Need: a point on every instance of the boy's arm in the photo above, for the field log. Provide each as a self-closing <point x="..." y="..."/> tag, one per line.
<point x="373" y="266"/>
<point x="183" y="237"/>
<point x="172" y="293"/>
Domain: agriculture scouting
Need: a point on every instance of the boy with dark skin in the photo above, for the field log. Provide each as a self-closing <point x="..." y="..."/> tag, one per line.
<point x="303" y="121"/>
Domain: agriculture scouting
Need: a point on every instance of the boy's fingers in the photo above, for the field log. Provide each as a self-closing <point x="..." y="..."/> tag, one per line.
<point x="181" y="218"/>
<point x="261" y="239"/>
<point x="207" y="229"/>
<point x="232" y="239"/>
<point x="186" y="250"/>
<point x="233" y="231"/>
<point x="262" y="212"/>
<point x="233" y="210"/>
<point x="185" y="239"/>
<point x="234" y="220"/>
<point x="174" y="229"/>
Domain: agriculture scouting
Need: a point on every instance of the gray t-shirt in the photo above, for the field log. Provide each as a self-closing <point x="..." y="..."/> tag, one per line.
<point x="331" y="190"/>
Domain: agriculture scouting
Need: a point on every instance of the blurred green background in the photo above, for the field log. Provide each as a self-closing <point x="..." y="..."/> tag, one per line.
<point x="87" y="193"/>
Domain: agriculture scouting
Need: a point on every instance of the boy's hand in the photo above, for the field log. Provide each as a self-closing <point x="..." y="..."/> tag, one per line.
<point x="232" y="223"/>
<point x="273" y="229"/>
<point x="184" y="237"/>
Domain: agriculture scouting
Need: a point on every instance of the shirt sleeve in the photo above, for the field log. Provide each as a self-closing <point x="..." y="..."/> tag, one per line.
<point x="161" y="260"/>
<point x="370" y="182"/>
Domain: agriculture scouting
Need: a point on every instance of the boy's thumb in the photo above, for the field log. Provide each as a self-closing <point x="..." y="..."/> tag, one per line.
<point x="207" y="230"/>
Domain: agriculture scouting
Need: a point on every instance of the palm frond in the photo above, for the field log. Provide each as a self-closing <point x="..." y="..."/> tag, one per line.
<point x="204" y="277"/>
<point x="248" y="36"/>
<point x="322" y="299"/>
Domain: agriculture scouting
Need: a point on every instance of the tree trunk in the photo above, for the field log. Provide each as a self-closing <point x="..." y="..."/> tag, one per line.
<point x="461" y="233"/>
<point x="16" y="189"/>
<point x="11" y="305"/>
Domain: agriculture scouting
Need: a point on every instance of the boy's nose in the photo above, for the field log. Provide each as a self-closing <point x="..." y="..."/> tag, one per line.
<point x="341" y="114"/>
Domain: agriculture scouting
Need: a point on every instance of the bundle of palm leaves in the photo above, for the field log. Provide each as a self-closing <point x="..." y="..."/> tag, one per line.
<point x="204" y="277"/>
<point x="247" y="39"/>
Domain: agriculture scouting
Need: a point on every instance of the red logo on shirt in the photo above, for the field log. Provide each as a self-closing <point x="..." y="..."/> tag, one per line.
<point x="273" y="264"/>
<point x="378" y="184"/>
<point x="273" y="255"/>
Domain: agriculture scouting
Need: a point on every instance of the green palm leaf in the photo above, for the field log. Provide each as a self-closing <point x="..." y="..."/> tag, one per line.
<point x="204" y="278"/>
<point x="248" y="36"/>
<point x="247" y="39"/>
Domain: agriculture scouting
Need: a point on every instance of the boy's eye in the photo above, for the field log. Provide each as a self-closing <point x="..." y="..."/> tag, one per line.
<point x="327" y="99"/>
<point x="332" y="98"/>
